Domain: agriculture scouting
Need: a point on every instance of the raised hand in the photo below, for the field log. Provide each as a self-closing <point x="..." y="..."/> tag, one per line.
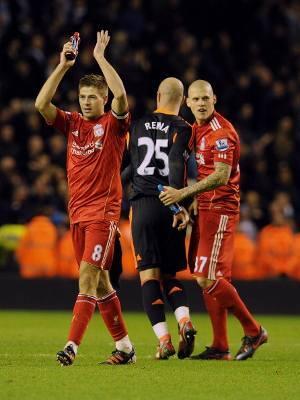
<point x="66" y="49"/>
<point x="102" y="42"/>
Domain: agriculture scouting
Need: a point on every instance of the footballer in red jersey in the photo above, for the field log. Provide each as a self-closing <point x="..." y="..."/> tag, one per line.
<point x="217" y="150"/>
<point x="94" y="154"/>
<point x="218" y="142"/>
<point x="95" y="145"/>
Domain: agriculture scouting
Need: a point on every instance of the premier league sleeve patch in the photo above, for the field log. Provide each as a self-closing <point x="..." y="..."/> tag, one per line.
<point x="222" y="145"/>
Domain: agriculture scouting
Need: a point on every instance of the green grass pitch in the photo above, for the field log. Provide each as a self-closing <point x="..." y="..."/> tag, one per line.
<point x="30" y="340"/>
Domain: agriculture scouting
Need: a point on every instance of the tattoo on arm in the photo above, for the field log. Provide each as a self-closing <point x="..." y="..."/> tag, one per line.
<point x="218" y="178"/>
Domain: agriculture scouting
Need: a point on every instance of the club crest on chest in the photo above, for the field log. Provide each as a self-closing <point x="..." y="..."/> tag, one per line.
<point x="98" y="130"/>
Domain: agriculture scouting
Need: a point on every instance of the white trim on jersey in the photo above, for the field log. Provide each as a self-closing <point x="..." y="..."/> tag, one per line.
<point x="111" y="236"/>
<point x="212" y="125"/>
<point x="119" y="116"/>
<point x="217" y="122"/>
<point x="216" y="247"/>
<point x="222" y="155"/>
<point x="215" y="125"/>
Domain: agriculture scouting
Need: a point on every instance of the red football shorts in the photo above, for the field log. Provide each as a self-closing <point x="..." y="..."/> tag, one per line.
<point x="94" y="242"/>
<point x="211" y="245"/>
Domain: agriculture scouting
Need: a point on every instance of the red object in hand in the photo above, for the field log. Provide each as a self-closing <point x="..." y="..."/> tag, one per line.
<point x="75" y="39"/>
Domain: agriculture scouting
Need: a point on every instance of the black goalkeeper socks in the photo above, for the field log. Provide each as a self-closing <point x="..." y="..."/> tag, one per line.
<point x="153" y="301"/>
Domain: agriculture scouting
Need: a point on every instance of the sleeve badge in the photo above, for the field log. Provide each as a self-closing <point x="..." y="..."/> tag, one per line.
<point x="222" y="145"/>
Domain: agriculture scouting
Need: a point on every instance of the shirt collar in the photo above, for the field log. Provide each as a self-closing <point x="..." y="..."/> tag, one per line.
<point x="206" y="122"/>
<point x="164" y="111"/>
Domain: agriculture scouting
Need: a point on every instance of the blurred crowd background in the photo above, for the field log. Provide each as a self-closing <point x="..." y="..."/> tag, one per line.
<point x="248" y="49"/>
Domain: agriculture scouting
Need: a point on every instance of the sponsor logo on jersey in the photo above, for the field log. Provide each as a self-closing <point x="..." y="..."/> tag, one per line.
<point x="75" y="133"/>
<point x="86" y="150"/>
<point x="98" y="130"/>
<point x="222" y="144"/>
<point x="98" y="145"/>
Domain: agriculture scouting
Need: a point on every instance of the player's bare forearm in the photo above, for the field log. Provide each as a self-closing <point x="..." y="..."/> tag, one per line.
<point x="114" y="82"/>
<point x="211" y="182"/>
<point x="112" y="78"/>
<point x="218" y="178"/>
<point x="43" y="101"/>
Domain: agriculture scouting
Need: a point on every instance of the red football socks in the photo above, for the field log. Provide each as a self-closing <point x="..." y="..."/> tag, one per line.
<point x="228" y="297"/>
<point x="82" y="313"/>
<point x="218" y="318"/>
<point x="110" y="309"/>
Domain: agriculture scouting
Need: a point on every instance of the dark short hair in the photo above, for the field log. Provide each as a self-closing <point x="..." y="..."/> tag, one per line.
<point x="98" y="81"/>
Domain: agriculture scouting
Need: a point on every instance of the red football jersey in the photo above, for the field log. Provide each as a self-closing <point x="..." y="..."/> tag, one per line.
<point x="94" y="156"/>
<point x="215" y="141"/>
